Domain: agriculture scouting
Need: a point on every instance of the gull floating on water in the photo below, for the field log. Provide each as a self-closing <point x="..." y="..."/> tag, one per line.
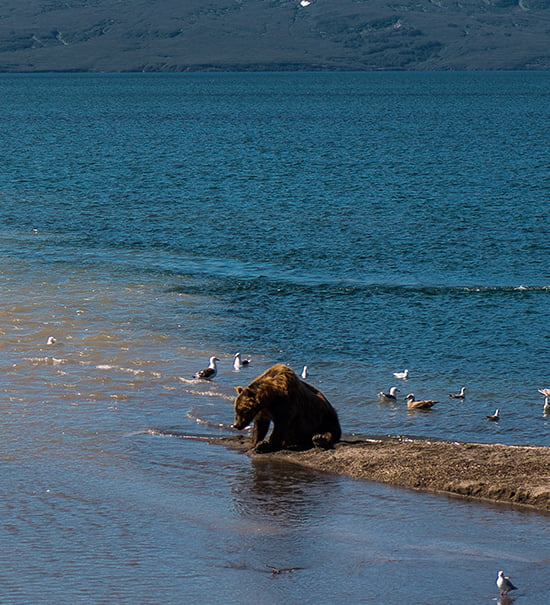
<point x="209" y="372"/>
<point x="421" y="404"/>
<point x="546" y="393"/>
<point x="504" y="584"/>
<point x="390" y="397"/>
<point x="495" y="416"/>
<point x="460" y="395"/>
<point x="304" y="372"/>
<point x="51" y="340"/>
<point x="404" y="374"/>
<point x="239" y="362"/>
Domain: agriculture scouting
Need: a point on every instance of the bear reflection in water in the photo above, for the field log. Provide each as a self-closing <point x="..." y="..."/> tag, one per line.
<point x="302" y="416"/>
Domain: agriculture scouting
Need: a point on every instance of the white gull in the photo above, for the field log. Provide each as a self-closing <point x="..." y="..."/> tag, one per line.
<point x="546" y="393"/>
<point x="504" y="583"/>
<point x="404" y="374"/>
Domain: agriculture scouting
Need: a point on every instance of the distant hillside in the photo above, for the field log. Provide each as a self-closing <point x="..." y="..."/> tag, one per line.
<point x="192" y="35"/>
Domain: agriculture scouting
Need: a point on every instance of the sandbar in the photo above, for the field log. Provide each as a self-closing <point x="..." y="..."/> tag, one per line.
<point x="507" y="474"/>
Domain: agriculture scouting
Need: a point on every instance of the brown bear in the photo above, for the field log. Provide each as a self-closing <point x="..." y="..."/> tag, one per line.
<point x="302" y="416"/>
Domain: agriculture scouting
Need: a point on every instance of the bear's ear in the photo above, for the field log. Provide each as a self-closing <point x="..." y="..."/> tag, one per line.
<point x="239" y="390"/>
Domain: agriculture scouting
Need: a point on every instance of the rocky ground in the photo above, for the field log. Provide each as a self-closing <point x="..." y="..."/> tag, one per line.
<point x="517" y="475"/>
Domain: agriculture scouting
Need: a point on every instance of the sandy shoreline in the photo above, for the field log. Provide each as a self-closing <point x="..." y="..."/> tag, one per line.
<point x="518" y="475"/>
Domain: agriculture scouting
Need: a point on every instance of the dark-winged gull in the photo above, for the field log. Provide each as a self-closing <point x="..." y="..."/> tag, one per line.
<point x="209" y="372"/>
<point x="460" y="395"/>
<point x="390" y="396"/>
<point x="239" y="362"/>
<point x="495" y="416"/>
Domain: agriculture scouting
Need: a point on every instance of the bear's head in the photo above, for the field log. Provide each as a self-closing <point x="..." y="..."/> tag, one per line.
<point x="246" y="407"/>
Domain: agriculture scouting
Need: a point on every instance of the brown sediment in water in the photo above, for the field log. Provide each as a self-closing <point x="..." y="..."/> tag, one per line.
<point x="518" y="475"/>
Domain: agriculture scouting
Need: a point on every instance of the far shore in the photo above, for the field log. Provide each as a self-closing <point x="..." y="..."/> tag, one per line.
<point x="507" y="474"/>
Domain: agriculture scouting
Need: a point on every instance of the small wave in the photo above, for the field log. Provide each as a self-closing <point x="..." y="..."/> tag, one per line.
<point x="51" y="361"/>
<point x="216" y="394"/>
<point x="177" y="433"/>
<point x="133" y="371"/>
<point x="217" y="425"/>
<point x="335" y="286"/>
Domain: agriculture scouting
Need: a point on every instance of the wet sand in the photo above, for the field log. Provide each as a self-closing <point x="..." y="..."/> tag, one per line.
<point x="518" y="475"/>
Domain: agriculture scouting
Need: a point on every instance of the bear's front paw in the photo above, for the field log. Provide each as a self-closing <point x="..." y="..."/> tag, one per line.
<point x="323" y="440"/>
<point x="263" y="447"/>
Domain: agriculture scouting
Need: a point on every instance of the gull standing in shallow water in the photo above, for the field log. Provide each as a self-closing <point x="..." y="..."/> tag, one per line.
<point x="504" y="584"/>
<point x="304" y="373"/>
<point x="421" y="404"/>
<point x="460" y="395"/>
<point x="404" y="374"/>
<point x="389" y="397"/>
<point x="209" y="372"/>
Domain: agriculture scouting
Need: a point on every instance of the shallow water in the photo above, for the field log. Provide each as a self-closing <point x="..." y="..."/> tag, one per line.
<point x="356" y="223"/>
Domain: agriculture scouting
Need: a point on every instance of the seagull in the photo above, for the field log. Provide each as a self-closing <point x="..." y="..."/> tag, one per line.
<point x="238" y="362"/>
<point x="209" y="372"/>
<point x="51" y="340"/>
<point x="460" y="395"/>
<point x="389" y="397"/>
<point x="421" y="404"/>
<point x="504" y="584"/>
<point x="304" y="372"/>
<point x="494" y="417"/>
<point x="546" y="393"/>
<point x="404" y="375"/>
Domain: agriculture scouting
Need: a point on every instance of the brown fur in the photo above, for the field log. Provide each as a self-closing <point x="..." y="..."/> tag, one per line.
<point x="301" y="415"/>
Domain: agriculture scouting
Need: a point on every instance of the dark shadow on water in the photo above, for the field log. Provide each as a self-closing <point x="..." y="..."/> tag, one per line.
<point x="276" y="491"/>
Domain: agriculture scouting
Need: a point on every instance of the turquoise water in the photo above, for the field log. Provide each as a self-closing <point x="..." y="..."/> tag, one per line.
<point x="357" y="223"/>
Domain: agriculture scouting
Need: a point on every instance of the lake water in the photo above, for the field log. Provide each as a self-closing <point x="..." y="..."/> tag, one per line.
<point x="356" y="223"/>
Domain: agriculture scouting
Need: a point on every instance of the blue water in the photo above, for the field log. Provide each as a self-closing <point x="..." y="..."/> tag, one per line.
<point x="357" y="223"/>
